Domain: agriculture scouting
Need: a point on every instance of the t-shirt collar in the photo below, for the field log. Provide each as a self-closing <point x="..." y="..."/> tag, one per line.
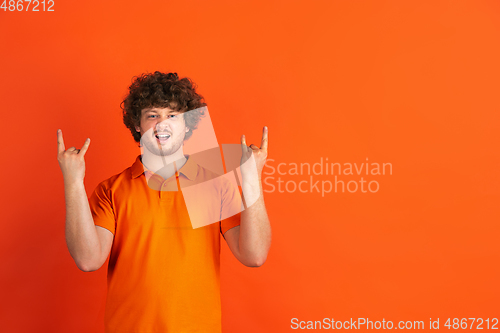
<point x="189" y="169"/>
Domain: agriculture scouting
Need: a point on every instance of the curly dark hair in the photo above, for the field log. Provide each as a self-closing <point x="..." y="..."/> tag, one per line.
<point x="161" y="90"/>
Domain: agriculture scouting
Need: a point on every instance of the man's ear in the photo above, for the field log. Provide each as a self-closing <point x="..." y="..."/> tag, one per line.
<point x="138" y="129"/>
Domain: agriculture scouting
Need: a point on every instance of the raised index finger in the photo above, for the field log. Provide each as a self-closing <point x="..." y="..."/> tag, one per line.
<point x="60" y="142"/>
<point x="263" y="145"/>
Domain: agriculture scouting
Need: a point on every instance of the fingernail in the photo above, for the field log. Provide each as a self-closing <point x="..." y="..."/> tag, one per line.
<point x="59" y="130"/>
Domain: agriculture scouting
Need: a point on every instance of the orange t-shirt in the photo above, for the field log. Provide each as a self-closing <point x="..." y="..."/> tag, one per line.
<point x="163" y="274"/>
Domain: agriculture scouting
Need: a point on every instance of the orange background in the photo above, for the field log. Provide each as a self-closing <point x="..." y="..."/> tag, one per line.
<point x="414" y="84"/>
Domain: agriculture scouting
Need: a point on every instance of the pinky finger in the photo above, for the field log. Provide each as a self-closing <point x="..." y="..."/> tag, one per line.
<point x="85" y="147"/>
<point x="244" y="146"/>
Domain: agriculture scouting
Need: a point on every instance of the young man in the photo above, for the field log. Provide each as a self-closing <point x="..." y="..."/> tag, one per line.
<point x="163" y="274"/>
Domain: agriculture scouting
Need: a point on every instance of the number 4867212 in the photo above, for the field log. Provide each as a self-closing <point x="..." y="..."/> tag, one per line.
<point x="27" y="5"/>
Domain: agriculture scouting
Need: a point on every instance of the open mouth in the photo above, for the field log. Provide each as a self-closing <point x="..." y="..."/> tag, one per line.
<point x="162" y="138"/>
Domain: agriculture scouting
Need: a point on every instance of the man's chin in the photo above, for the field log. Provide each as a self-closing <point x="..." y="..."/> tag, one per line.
<point x="157" y="150"/>
<point x="163" y="152"/>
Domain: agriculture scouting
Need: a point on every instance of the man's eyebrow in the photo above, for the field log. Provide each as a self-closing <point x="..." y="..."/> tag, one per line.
<point x="154" y="110"/>
<point x="150" y="111"/>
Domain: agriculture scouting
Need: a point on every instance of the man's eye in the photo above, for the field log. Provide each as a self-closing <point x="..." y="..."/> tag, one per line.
<point x="172" y="115"/>
<point x="153" y="115"/>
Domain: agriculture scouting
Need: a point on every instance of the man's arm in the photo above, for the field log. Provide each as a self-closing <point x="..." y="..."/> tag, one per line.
<point x="251" y="240"/>
<point x="88" y="244"/>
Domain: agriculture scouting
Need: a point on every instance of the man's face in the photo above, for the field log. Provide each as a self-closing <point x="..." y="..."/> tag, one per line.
<point x="162" y="130"/>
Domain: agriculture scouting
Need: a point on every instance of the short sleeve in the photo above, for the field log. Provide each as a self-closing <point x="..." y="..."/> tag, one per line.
<point x="231" y="207"/>
<point x="101" y="208"/>
<point x="229" y="223"/>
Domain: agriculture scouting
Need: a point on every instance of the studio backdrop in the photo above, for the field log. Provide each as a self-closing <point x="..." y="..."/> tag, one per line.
<point x="382" y="179"/>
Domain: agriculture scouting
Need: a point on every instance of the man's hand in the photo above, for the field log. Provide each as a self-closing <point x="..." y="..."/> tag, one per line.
<point x="259" y="156"/>
<point x="71" y="161"/>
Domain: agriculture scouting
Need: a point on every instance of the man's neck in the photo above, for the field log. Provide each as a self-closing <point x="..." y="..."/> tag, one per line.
<point x="165" y="166"/>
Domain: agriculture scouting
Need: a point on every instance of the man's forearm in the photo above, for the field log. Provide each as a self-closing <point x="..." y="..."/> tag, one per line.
<point x="81" y="235"/>
<point x="255" y="229"/>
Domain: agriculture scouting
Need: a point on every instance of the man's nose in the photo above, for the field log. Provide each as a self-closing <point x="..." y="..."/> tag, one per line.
<point x="162" y="124"/>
